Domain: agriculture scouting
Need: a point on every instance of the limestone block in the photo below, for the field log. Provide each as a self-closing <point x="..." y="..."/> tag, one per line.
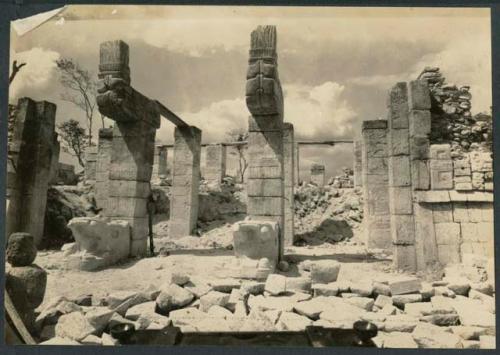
<point x="124" y="188"/>
<point x="265" y="168"/>
<point x="377" y="166"/>
<point x="419" y="96"/>
<point x="398" y="142"/>
<point x="447" y="233"/>
<point x="463" y="186"/>
<point x="400" y="200"/>
<point x="441" y="172"/>
<point x="440" y="151"/>
<point x="402" y="229"/>
<point x="419" y="147"/>
<point x="399" y="171"/>
<point x="486" y="212"/>
<point x="404" y="257"/>
<point x="109" y="240"/>
<point x="420" y="122"/>
<point x="265" y="206"/>
<point x="405" y="285"/>
<point x="324" y="271"/>
<point x="374" y="124"/>
<point x="425" y="240"/>
<point x="432" y="336"/>
<point x="420" y="176"/>
<point x="127" y="207"/>
<point x="256" y="239"/>
<point x="460" y="213"/>
<point x="449" y="253"/>
<point x="398" y="106"/>
<point x="442" y="212"/>
<point x="264" y="187"/>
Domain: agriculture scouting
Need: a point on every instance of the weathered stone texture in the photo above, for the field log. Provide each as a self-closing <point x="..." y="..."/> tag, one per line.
<point x="160" y="163"/>
<point x="90" y="164"/>
<point x="215" y="163"/>
<point x="28" y="173"/>
<point x="289" y="182"/>
<point x="185" y="180"/>
<point x="358" y="163"/>
<point x="104" y="148"/>
<point x="375" y="184"/>
<point x="318" y="174"/>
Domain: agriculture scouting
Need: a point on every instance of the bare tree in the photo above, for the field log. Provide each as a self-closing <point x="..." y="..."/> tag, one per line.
<point x="15" y="70"/>
<point x="74" y="139"/>
<point x="80" y="89"/>
<point x="239" y="135"/>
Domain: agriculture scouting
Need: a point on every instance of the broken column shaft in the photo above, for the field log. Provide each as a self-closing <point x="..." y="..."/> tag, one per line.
<point x="215" y="163"/>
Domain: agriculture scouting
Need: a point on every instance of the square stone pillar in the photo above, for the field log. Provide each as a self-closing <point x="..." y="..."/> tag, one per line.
<point x="132" y="149"/>
<point x="376" y="217"/>
<point x="160" y="163"/>
<point x="185" y="182"/>
<point x="90" y="164"/>
<point x="318" y="174"/>
<point x="54" y="162"/>
<point x="265" y="181"/>
<point x="358" y="170"/>
<point x="289" y="181"/>
<point x="31" y="151"/>
<point x="400" y="179"/>
<point x="104" y="148"/>
<point x="215" y="163"/>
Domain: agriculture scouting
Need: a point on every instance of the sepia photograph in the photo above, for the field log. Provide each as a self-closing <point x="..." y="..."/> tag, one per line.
<point x="299" y="176"/>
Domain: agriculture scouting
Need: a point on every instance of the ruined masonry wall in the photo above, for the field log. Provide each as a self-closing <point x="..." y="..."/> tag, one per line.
<point x="289" y="181"/>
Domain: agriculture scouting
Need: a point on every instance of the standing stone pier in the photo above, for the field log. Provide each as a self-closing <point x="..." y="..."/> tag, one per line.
<point x="54" y="162"/>
<point x="296" y="162"/>
<point x="132" y="149"/>
<point x="376" y="216"/>
<point x="104" y="148"/>
<point x="215" y="163"/>
<point x="90" y="164"/>
<point x="160" y="163"/>
<point x="185" y="181"/>
<point x="358" y="170"/>
<point x="289" y="181"/>
<point x="318" y="174"/>
<point x="30" y="151"/>
<point x="263" y="229"/>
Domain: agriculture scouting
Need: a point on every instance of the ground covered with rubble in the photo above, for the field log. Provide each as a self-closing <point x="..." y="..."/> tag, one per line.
<point x="329" y="279"/>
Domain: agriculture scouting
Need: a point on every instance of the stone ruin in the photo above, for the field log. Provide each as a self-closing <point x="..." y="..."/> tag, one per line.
<point x="428" y="206"/>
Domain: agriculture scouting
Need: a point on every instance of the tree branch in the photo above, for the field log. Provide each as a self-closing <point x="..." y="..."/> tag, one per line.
<point x="15" y="70"/>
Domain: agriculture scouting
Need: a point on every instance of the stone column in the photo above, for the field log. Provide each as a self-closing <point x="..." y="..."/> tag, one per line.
<point x="400" y="180"/>
<point x="265" y="188"/>
<point x="215" y="163"/>
<point x="289" y="181"/>
<point x="90" y="164"/>
<point x="376" y="217"/>
<point x="358" y="170"/>
<point x="104" y="147"/>
<point x="185" y="182"/>
<point x="136" y="120"/>
<point x="296" y="163"/>
<point x="160" y="163"/>
<point x="28" y="177"/>
<point x="54" y="162"/>
<point x="318" y="174"/>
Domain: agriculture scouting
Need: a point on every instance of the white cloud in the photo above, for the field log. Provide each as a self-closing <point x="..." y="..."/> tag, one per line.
<point x="318" y="111"/>
<point x="37" y="72"/>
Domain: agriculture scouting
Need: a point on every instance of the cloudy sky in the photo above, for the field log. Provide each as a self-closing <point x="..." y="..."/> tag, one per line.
<point x="336" y="64"/>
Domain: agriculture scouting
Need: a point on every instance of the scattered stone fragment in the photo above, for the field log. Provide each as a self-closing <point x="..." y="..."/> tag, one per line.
<point x="441" y="304"/>
<point x="324" y="271"/>
<point x="471" y="344"/>
<point x="399" y="340"/>
<point x="444" y="291"/>
<point x="418" y="309"/>
<point x="108" y="340"/>
<point x="74" y="326"/>
<point x="99" y="317"/>
<point x="361" y="302"/>
<point x="362" y="288"/>
<point x="21" y="249"/>
<point x="330" y="289"/>
<point x="179" y="277"/>
<point x="388" y="310"/>
<point x="186" y="318"/>
<point x="460" y="286"/>
<point x="60" y="341"/>
<point x="341" y="314"/>
<point x="293" y="322"/>
<point x="401" y="300"/>
<point x="213" y="298"/>
<point x="275" y="284"/>
<point x="224" y="285"/>
<point x="152" y="291"/>
<point x="252" y="287"/>
<point x="198" y="289"/>
<point x="468" y="332"/>
<point x="83" y="300"/>
<point x="91" y="340"/>
<point x="130" y="302"/>
<point x="400" y="323"/>
<point x="483" y="287"/>
<point x="473" y="312"/>
<point x="312" y="308"/>
<point x="281" y="303"/>
<point x="404" y="285"/>
<point x="382" y="300"/>
<point x="343" y="286"/>
<point x="116" y="298"/>
<point x="380" y="288"/>
<point x="220" y="312"/>
<point x="445" y="319"/>
<point x="257" y="321"/>
<point x="133" y="313"/>
<point x="298" y="284"/>
<point x="173" y="297"/>
<point x="431" y="336"/>
<point x="427" y="291"/>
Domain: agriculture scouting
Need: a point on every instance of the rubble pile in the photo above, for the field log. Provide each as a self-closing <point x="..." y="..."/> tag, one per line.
<point x="455" y="312"/>
<point x="327" y="214"/>
<point x="346" y="180"/>
<point x="452" y="120"/>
